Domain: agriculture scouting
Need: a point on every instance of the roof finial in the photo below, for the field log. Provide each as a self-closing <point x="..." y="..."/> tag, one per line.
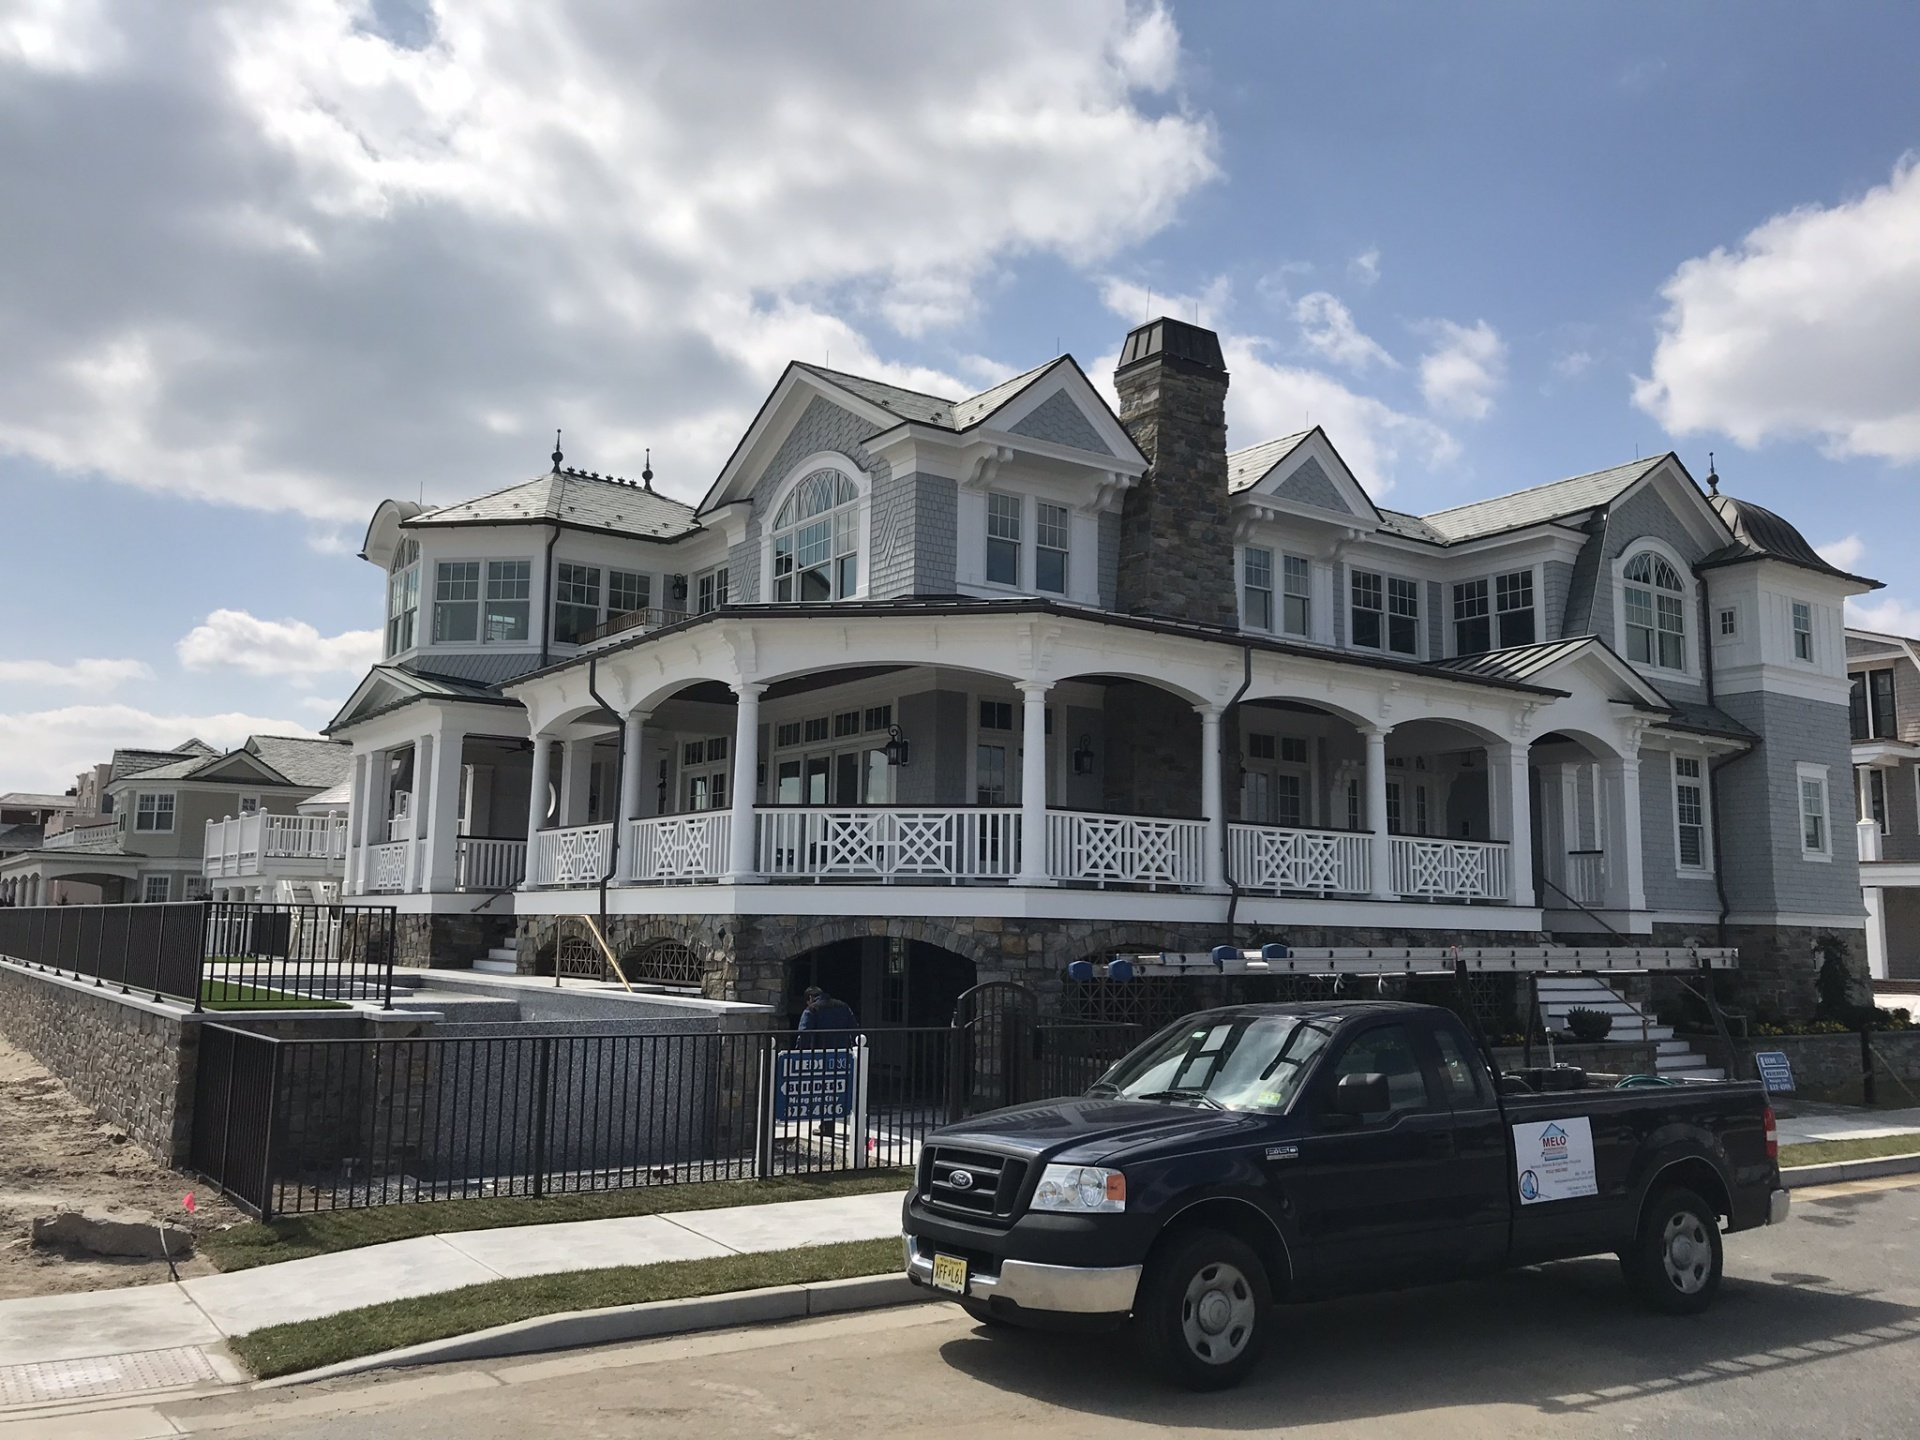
<point x="646" y="471"/>
<point x="557" y="456"/>
<point x="1713" y="476"/>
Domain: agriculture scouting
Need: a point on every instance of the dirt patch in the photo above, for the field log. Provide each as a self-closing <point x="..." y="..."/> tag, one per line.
<point x="56" y="1155"/>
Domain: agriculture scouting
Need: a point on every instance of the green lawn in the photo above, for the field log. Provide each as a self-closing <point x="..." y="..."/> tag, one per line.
<point x="1825" y="1152"/>
<point x="286" y="1349"/>
<point x="297" y="1237"/>
<point x="233" y="995"/>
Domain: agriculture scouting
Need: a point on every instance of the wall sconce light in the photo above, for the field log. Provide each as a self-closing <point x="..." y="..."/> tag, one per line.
<point x="1083" y="756"/>
<point x="898" y="749"/>
<point x="679" y="587"/>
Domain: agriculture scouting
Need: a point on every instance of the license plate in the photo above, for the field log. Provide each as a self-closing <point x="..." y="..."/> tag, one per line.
<point x="950" y="1273"/>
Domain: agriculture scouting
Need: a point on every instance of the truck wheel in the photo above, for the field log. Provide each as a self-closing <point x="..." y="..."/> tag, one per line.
<point x="1203" y="1310"/>
<point x="1674" y="1262"/>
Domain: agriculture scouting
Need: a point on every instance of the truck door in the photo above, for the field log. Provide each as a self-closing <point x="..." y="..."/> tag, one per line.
<point x="1370" y="1191"/>
<point x="1481" y="1175"/>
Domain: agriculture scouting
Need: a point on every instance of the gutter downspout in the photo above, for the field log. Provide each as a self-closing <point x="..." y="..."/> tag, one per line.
<point x="1226" y="830"/>
<point x="619" y="785"/>
<point x="546" y="601"/>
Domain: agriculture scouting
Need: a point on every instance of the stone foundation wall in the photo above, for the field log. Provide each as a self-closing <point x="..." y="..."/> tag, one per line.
<point x="422" y="942"/>
<point x="131" y="1060"/>
<point x="1830" y="1062"/>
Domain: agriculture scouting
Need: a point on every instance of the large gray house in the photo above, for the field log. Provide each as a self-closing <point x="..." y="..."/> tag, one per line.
<point x="926" y="690"/>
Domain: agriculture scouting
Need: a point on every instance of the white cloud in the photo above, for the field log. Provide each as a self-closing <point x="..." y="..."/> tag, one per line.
<point x="1844" y="553"/>
<point x="233" y="639"/>
<point x="98" y="676"/>
<point x="1810" y="327"/>
<point x="1267" y="398"/>
<point x="45" y="749"/>
<point x="238" y="221"/>
<point x="1464" y="370"/>
<point x="1572" y="364"/>
<point x="1364" y="268"/>
<point x="1328" y="327"/>
<point x="1889" y="617"/>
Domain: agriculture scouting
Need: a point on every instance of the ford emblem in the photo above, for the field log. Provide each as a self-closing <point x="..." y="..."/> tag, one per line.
<point x="960" y="1179"/>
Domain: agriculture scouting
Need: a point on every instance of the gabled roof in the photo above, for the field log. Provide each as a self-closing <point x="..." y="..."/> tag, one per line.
<point x="319" y="763"/>
<point x="1556" y="500"/>
<point x="1532" y="664"/>
<point x="1246" y="468"/>
<point x="907" y="404"/>
<point x="388" y="687"/>
<point x="574" y="498"/>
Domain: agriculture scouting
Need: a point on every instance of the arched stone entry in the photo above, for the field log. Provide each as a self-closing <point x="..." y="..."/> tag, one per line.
<point x="889" y="980"/>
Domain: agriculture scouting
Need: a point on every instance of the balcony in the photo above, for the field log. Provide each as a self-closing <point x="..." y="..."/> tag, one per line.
<point x="258" y="843"/>
<point x="485" y="863"/>
<point x="633" y="622"/>
<point x="88" y="839"/>
<point x="981" y="845"/>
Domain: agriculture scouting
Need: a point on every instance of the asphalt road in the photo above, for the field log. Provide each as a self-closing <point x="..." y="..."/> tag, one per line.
<point x="1816" y="1333"/>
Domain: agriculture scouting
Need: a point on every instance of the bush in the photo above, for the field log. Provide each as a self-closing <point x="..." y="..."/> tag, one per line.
<point x="1836" y="986"/>
<point x="1589" y="1026"/>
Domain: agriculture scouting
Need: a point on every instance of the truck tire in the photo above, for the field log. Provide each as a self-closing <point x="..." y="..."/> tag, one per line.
<point x="1674" y="1263"/>
<point x="1203" y="1309"/>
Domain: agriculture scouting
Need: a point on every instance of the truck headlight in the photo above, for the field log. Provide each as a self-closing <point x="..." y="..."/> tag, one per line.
<point x="1080" y="1188"/>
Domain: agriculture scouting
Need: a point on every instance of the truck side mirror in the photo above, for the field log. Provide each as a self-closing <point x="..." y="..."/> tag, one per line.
<point x="1358" y="1095"/>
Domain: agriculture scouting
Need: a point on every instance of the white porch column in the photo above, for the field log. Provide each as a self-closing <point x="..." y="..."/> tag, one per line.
<point x="1559" y="828"/>
<point x="633" y="773"/>
<point x="1033" y="782"/>
<point x="439" y="870"/>
<point x="743" y="866"/>
<point x="373" y="829"/>
<point x="576" y="781"/>
<point x="537" y="802"/>
<point x="421" y="798"/>
<point x="357" y="807"/>
<point x="1513" y="819"/>
<point x="1380" y="852"/>
<point x="1213" y="802"/>
<point x="1620" y="784"/>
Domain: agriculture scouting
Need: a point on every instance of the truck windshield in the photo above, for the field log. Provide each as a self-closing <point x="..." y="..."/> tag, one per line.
<point x="1237" y="1062"/>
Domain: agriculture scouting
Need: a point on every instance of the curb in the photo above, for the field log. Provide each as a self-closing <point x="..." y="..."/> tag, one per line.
<point x="577" y="1329"/>
<point x="1833" y="1172"/>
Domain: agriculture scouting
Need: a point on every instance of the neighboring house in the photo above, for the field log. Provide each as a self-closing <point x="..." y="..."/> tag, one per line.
<point x="156" y="810"/>
<point x="290" y="851"/>
<point x="1885" y="674"/>
<point x="24" y="818"/>
<point x="929" y="690"/>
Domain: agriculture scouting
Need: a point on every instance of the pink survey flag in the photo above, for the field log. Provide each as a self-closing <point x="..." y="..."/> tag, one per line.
<point x="188" y="1202"/>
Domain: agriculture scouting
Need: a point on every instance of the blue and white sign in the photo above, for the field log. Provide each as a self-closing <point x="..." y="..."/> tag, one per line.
<point x="1776" y="1071"/>
<point x="1553" y="1160"/>
<point x="813" y="1084"/>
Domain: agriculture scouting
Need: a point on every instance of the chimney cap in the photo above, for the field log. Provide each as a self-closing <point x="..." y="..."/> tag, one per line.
<point x="1170" y="339"/>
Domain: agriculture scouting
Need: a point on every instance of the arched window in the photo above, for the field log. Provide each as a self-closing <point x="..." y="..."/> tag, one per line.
<point x="1656" y="612"/>
<point x="403" y="596"/>
<point x="816" y="545"/>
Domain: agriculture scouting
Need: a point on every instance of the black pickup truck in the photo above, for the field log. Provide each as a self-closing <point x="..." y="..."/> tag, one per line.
<point x="1295" y="1152"/>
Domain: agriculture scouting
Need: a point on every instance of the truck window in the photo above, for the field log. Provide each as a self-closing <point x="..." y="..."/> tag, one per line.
<point x="1242" y="1063"/>
<point x="1464" y="1079"/>
<point x="1388" y="1050"/>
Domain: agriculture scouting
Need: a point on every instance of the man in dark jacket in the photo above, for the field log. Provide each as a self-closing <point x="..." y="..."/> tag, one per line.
<point x="826" y="1023"/>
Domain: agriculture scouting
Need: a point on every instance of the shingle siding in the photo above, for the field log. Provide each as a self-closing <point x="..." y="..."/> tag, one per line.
<point x="1311" y="485"/>
<point x="1902" y="838"/>
<point x="1061" y="421"/>
<point x="1436" y="620"/>
<point x="1109" y="559"/>
<point x="1644" y="515"/>
<point x="1667" y="888"/>
<point x="1556" y="580"/>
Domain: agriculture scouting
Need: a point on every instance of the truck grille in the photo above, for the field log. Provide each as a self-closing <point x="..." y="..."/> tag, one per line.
<point x="970" y="1182"/>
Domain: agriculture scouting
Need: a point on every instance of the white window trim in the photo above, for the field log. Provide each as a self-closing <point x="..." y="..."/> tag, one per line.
<point x="1804" y="771"/>
<point x="862" y="518"/>
<point x="1274" y="593"/>
<point x="430" y="600"/>
<point x="240" y="803"/>
<point x="1704" y="870"/>
<point x="166" y="884"/>
<point x="1316" y="606"/>
<point x="1689" y="607"/>
<point x="1720" y="614"/>
<point x="1386" y="578"/>
<point x="156" y="828"/>
<point x="1812" y="657"/>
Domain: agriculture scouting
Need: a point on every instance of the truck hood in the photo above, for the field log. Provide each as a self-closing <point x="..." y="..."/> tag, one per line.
<point x="1089" y="1129"/>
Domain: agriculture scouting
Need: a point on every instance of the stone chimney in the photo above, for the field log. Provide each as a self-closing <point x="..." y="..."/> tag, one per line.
<point x="1176" y="538"/>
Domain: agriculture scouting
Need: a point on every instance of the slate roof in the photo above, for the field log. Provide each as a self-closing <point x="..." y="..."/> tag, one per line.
<point x="139" y="762"/>
<point x="320" y="763"/>
<point x="572" y="497"/>
<point x="1553" y="501"/>
<point x="1399" y="522"/>
<point x="21" y="837"/>
<point x="174" y="770"/>
<point x="925" y="409"/>
<point x="1707" y="720"/>
<point x="1246" y="467"/>
<point x="29" y="800"/>
<point x="974" y="409"/>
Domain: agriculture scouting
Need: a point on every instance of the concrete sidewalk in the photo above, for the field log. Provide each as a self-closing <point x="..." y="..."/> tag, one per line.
<point x="1812" y="1121"/>
<point x="52" y="1347"/>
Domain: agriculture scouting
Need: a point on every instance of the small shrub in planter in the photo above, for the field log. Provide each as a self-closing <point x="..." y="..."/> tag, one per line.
<point x="1589" y="1027"/>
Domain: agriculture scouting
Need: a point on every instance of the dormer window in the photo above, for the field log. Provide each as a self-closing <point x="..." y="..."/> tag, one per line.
<point x="403" y="597"/>
<point x="1656" y="612"/>
<point x="816" y="550"/>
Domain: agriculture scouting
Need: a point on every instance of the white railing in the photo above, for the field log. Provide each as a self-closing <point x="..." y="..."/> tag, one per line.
<point x="885" y="843"/>
<point x="574" y="856"/>
<point x="1318" y="862"/>
<point x="481" y="863"/>
<point x="1449" y="869"/>
<point x="239" y="845"/>
<point x="1587" y="876"/>
<point x="1125" y="849"/>
<point x="387" y="867"/>
<point x="678" y="847"/>
<point x="91" y="838"/>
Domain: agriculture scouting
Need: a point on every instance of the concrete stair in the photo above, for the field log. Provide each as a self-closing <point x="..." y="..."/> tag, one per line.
<point x="502" y="959"/>
<point x="1560" y="994"/>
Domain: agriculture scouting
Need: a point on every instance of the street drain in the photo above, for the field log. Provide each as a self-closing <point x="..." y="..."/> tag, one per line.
<point x="48" y="1381"/>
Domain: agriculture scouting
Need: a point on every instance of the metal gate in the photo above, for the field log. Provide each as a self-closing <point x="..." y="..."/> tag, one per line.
<point x="1003" y="1053"/>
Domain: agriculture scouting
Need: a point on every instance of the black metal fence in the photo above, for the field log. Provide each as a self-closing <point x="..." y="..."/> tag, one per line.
<point x="227" y="955"/>
<point x="289" y="1126"/>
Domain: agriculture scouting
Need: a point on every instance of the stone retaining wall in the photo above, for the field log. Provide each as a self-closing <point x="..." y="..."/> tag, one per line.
<point x="1829" y="1062"/>
<point x="131" y="1060"/>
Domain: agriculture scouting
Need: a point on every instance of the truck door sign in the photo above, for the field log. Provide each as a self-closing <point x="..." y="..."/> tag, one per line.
<point x="1554" y="1160"/>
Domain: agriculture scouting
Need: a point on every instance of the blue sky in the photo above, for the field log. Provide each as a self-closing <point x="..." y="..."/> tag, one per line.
<point x="271" y="265"/>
